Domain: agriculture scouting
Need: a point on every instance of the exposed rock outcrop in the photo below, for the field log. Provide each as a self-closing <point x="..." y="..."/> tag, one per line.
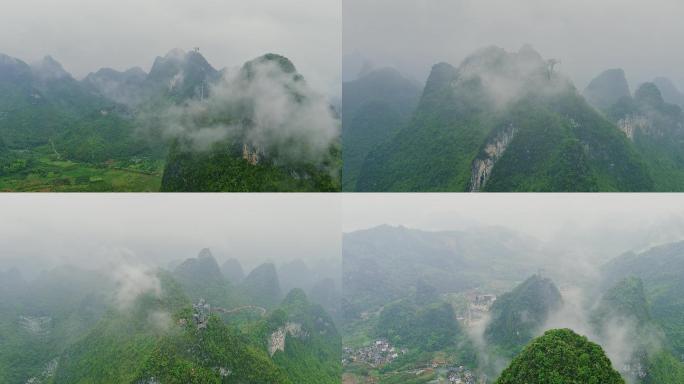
<point x="277" y="340"/>
<point x="494" y="149"/>
<point x="631" y="123"/>
<point x="36" y="325"/>
<point x="251" y="154"/>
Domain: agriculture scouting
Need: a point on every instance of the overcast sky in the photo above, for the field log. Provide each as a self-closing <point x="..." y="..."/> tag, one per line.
<point x="588" y="36"/>
<point x="612" y="223"/>
<point x="41" y="230"/>
<point x="85" y="35"/>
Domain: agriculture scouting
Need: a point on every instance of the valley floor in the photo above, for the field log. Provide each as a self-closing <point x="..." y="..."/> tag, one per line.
<point x="41" y="172"/>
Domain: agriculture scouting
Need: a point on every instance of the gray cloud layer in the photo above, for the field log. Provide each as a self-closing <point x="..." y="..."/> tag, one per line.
<point x="587" y="36"/>
<point x="86" y="35"/>
<point x="41" y="231"/>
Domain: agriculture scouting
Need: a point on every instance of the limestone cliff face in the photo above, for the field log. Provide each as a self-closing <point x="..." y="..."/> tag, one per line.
<point x="631" y="123"/>
<point x="482" y="166"/>
<point x="277" y="340"/>
<point x="251" y="153"/>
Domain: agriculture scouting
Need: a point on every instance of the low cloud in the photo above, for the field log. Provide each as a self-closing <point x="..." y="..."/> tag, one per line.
<point x="488" y="361"/>
<point x="133" y="280"/>
<point x="509" y="76"/>
<point x="269" y="109"/>
<point x="160" y="320"/>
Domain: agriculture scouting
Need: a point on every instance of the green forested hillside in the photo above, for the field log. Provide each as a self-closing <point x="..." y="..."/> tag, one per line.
<point x="215" y="354"/>
<point x="420" y="322"/>
<point x="223" y="168"/>
<point x="259" y="150"/>
<point x="39" y="320"/>
<point x="625" y="299"/>
<point x="262" y="286"/>
<point x="654" y="126"/>
<point x="221" y="353"/>
<point x="625" y="306"/>
<point x="506" y="121"/>
<point x="311" y="354"/>
<point x="374" y="107"/>
<point x="186" y="326"/>
<point x="517" y="315"/>
<point x="660" y="269"/>
<point x="112" y="130"/>
<point x="561" y="356"/>
<point x="115" y="348"/>
<point x="201" y="278"/>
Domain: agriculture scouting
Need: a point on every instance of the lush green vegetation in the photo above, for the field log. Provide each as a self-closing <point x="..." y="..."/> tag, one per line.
<point x="201" y="278"/>
<point x="374" y="108"/>
<point x="664" y="368"/>
<point x="73" y="300"/>
<point x="63" y="137"/>
<point x="314" y="357"/>
<point x="516" y="315"/>
<point x="653" y="125"/>
<point x="660" y="269"/>
<point x="633" y="309"/>
<point x="583" y="153"/>
<point x="418" y="326"/>
<point x="540" y="135"/>
<point x="38" y="171"/>
<point x="433" y="152"/>
<point x="262" y="286"/>
<point x="561" y="356"/>
<point x="70" y="326"/>
<point x="197" y="356"/>
<point x="222" y="168"/>
<point x="626" y="299"/>
<point x="626" y="306"/>
<point x="114" y="349"/>
<point x="107" y="132"/>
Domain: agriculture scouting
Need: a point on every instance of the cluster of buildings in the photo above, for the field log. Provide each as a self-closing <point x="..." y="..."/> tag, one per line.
<point x="381" y="352"/>
<point x="635" y="369"/>
<point x="461" y="375"/>
<point x="450" y="373"/>
<point x="477" y="308"/>
<point x="378" y="353"/>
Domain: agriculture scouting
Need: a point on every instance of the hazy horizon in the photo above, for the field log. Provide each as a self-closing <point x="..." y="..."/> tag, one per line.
<point x="583" y="225"/>
<point x="587" y="37"/>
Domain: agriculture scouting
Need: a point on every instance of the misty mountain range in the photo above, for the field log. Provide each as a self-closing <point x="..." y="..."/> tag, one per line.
<point x="630" y="307"/>
<point x="184" y="126"/>
<point x="137" y="324"/>
<point x="510" y="121"/>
